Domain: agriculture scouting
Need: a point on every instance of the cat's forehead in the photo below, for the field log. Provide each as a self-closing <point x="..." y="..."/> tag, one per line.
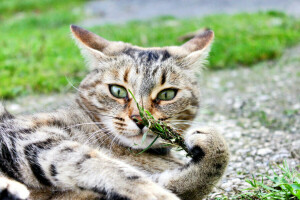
<point x="149" y="63"/>
<point x="147" y="56"/>
<point x="148" y="69"/>
<point x="140" y="69"/>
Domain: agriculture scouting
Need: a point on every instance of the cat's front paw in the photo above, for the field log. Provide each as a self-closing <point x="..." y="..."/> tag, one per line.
<point x="143" y="189"/>
<point x="152" y="191"/>
<point x="12" y="190"/>
<point x="206" y="143"/>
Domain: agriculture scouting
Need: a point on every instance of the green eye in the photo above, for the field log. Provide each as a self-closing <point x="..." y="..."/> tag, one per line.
<point x="167" y="94"/>
<point x="118" y="91"/>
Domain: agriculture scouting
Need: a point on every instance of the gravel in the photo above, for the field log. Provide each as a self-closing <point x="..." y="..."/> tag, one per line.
<point x="258" y="110"/>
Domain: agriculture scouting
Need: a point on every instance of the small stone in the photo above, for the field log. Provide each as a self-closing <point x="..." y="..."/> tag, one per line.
<point x="295" y="150"/>
<point x="14" y="107"/>
<point x="263" y="152"/>
<point x="227" y="186"/>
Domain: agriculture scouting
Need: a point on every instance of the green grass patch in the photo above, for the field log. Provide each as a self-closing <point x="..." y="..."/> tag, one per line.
<point x="37" y="52"/>
<point x="241" y="39"/>
<point x="281" y="185"/>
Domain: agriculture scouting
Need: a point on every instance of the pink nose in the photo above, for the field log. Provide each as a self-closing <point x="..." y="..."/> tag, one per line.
<point x="138" y="121"/>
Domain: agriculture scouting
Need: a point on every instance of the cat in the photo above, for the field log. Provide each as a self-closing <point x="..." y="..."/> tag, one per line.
<point x="89" y="150"/>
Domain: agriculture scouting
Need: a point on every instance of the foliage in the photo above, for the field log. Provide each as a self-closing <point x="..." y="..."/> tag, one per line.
<point x="284" y="185"/>
<point x="36" y="53"/>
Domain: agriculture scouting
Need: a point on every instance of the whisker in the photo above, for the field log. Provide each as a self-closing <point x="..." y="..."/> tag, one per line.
<point x="97" y="113"/>
<point x="112" y="142"/>
<point x="92" y="135"/>
<point x="108" y="136"/>
<point x="183" y="121"/>
<point x="88" y="123"/>
<point x="72" y="85"/>
<point x="106" y="132"/>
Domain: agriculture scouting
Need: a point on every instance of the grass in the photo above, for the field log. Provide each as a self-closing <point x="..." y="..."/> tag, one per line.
<point x="37" y="54"/>
<point x="241" y="39"/>
<point x="282" y="185"/>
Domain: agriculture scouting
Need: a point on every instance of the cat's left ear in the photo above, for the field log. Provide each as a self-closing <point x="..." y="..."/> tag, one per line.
<point x="93" y="47"/>
<point x="198" y="47"/>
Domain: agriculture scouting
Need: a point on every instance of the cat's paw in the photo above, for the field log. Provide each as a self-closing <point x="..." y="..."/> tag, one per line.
<point x="206" y="142"/>
<point x="12" y="190"/>
<point x="145" y="190"/>
<point x="153" y="191"/>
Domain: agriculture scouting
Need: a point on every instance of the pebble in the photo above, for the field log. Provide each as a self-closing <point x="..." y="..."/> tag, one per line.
<point x="263" y="152"/>
<point x="295" y="150"/>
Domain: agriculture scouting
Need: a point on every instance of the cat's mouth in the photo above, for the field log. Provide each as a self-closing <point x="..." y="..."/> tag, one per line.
<point x="137" y="136"/>
<point x="140" y="134"/>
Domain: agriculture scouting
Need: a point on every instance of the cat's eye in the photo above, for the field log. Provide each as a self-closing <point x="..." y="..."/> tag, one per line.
<point x="167" y="94"/>
<point x="118" y="91"/>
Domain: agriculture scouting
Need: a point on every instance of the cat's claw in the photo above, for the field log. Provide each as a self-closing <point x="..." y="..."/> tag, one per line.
<point x="12" y="190"/>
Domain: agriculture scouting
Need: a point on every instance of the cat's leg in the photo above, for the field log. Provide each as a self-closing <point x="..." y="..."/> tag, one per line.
<point x="12" y="190"/>
<point x="73" y="166"/>
<point x="48" y="160"/>
<point x="197" y="178"/>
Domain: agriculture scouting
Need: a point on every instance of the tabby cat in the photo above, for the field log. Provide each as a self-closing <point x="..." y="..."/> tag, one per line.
<point x="89" y="151"/>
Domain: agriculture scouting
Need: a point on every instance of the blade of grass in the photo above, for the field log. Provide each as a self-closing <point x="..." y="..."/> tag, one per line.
<point x="148" y="146"/>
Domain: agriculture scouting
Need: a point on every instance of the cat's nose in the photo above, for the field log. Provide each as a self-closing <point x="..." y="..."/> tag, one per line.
<point x="137" y="119"/>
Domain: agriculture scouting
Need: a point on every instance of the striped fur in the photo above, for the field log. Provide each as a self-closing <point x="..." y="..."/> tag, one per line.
<point x="4" y="114"/>
<point x="89" y="151"/>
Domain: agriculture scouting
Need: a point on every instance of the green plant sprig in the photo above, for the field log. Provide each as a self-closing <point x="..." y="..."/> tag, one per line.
<point x="281" y="185"/>
<point x="160" y="129"/>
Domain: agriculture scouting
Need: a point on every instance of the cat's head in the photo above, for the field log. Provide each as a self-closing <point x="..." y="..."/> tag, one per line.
<point x="163" y="80"/>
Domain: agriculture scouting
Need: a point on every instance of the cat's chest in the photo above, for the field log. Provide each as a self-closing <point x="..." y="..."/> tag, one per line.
<point x="151" y="163"/>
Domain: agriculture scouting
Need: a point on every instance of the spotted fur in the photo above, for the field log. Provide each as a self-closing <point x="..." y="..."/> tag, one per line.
<point x="89" y="151"/>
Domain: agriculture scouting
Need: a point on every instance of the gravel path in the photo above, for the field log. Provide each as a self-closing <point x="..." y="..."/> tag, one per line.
<point x="257" y="109"/>
<point x="120" y="11"/>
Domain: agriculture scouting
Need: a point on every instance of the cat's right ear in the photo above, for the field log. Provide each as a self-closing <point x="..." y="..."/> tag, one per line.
<point x="198" y="48"/>
<point x="94" y="47"/>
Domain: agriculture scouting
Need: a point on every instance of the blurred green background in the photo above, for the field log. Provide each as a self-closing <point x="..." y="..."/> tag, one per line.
<point x="38" y="56"/>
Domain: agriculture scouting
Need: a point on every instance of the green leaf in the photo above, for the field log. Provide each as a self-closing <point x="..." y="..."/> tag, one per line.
<point x="149" y="114"/>
<point x="132" y="96"/>
<point x="295" y="186"/>
<point x="267" y="187"/>
<point x="149" y="145"/>
<point x="144" y="136"/>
